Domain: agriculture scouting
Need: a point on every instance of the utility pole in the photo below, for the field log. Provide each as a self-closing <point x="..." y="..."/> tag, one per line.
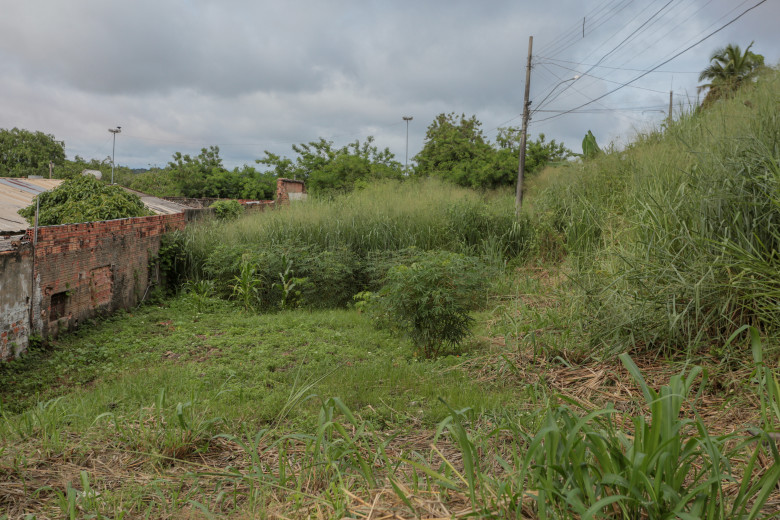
<point x="671" y="93"/>
<point x="114" y="131"/>
<point x="524" y="134"/>
<point x="406" y="162"/>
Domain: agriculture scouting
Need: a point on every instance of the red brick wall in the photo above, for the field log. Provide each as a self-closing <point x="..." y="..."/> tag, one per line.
<point x="286" y="186"/>
<point x="97" y="267"/>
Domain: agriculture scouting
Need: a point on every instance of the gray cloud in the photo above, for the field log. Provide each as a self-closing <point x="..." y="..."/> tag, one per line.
<point x="183" y="74"/>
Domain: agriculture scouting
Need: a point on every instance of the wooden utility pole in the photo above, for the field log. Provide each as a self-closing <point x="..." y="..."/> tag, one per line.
<point x="671" y="93"/>
<point x="524" y="134"/>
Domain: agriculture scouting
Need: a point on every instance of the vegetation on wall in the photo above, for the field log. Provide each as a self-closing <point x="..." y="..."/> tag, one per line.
<point x="83" y="199"/>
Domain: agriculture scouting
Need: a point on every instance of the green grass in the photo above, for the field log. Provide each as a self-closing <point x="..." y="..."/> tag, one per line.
<point x="254" y="359"/>
<point x="674" y="240"/>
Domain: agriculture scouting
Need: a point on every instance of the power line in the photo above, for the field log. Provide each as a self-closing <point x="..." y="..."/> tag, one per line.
<point x="610" y="80"/>
<point x="634" y="32"/>
<point x="597" y="23"/>
<point x="567" y="34"/>
<point x="615" y="68"/>
<point x="659" y="65"/>
<point x="578" y="91"/>
<point x="625" y="26"/>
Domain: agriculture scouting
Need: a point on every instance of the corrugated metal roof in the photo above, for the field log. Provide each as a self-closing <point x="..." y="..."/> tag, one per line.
<point x="158" y="205"/>
<point x="18" y="193"/>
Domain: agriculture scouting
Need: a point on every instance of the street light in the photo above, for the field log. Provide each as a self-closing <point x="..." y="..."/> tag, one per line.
<point x="539" y="104"/>
<point x="406" y="161"/>
<point x="114" y="131"/>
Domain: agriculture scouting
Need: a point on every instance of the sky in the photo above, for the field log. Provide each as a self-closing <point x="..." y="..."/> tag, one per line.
<point x="254" y="75"/>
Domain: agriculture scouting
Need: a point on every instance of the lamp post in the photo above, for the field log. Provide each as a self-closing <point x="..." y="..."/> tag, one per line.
<point x="406" y="161"/>
<point x="114" y="131"/>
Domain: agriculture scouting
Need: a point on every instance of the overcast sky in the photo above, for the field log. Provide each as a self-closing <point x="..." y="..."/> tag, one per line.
<point x="249" y="76"/>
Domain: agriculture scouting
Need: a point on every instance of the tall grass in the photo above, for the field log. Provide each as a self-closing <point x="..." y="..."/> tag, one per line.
<point x="675" y="239"/>
<point x="339" y="247"/>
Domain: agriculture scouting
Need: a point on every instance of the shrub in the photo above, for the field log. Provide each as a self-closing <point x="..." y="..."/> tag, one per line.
<point x="84" y="199"/>
<point x="431" y="298"/>
<point x="227" y="209"/>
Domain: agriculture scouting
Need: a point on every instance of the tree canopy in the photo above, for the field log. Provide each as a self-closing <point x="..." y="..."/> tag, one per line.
<point x="203" y="175"/>
<point x="84" y="199"/>
<point x="729" y="69"/>
<point x="24" y="153"/>
<point x="456" y="150"/>
<point x="328" y="170"/>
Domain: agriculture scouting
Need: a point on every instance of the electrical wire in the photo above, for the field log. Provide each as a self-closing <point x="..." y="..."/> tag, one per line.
<point x="615" y="68"/>
<point x="597" y="23"/>
<point x="610" y="80"/>
<point x="659" y="65"/>
<point x="614" y="49"/>
<point x="567" y="34"/>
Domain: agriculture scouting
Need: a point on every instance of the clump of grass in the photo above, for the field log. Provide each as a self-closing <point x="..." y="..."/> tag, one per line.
<point x="674" y="239"/>
<point x="345" y="245"/>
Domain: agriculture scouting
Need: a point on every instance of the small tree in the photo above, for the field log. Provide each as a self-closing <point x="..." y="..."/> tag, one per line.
<point x="729" y="69"/>
<point x="431" y="299"/>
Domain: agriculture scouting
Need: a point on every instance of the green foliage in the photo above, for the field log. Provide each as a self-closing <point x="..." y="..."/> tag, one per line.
<point x="84" y="199"/>
<point x="729" y="69"/>
<point x="227" y="209"/>
<point x="24" y="153"/>
<point x="590" y="148"/>
<point x="674" y="240"/>
<point x="430" y="299"/>
<point x="456" y="150"/>
<point x="585" y="464"/>
<point x="346" y="245"/>
<point x="205" y="176"/>
<point x="201" y="291"/>
<point x="246" y="285"/>
<point x="328" y="170"/>
<point x="289" y="286"/>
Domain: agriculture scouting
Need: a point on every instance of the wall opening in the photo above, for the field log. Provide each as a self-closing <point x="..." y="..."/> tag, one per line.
<point x="59" y="301"/>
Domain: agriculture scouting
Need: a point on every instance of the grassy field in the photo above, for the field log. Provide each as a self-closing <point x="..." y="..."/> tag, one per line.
<point x="622" y="362"/>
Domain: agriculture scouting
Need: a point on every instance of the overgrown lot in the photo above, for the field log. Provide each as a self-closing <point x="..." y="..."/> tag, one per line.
<point x="621" y="363"/>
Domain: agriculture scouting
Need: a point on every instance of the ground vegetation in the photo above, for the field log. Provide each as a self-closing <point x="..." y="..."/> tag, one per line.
<point x="620" y="360"/>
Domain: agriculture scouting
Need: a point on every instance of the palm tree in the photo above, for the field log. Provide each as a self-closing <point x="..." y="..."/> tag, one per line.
<point x="729" y="68"/>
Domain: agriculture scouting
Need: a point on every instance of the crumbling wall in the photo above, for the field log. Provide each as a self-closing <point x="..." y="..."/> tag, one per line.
<point x="289" y="189"/>
<point x="82" y="270"/>
<point x="16" y="265"/>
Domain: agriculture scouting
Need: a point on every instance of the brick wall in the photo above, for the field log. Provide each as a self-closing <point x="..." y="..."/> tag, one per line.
<point x="82" y="270"/>
<point x="289" y="189"/>
<point x="205" y="202"/>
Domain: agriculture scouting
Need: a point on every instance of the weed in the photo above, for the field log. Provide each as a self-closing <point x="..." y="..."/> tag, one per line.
<point x="246" y="286"/>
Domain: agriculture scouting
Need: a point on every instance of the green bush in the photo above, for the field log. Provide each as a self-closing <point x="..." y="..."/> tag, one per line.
<point x="84" y="199"/>
<point x="431" y="298"/>
<point x="227" y="209"/>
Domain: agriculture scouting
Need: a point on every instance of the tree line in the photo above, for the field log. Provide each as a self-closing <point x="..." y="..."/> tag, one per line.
<point x="455" y="149"/>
